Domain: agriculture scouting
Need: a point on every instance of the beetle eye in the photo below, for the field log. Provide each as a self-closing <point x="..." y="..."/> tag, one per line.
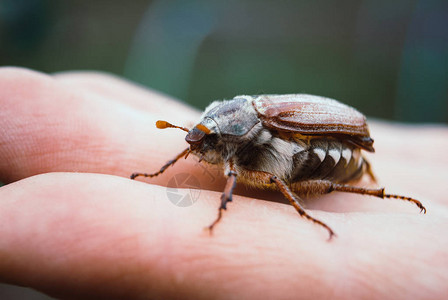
<point x="195" y="136"/>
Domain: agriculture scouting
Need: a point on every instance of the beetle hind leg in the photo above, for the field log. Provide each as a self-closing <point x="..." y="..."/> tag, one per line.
<point x="374" y="192"/>
<point x="369" y="171"/>
<point x="164" y="167"/>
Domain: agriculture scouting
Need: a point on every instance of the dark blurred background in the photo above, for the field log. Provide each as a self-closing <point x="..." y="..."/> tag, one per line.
<point x="387" y="58"/>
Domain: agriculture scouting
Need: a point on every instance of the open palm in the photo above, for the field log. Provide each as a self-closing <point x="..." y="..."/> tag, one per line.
<point x="74" y="225"/>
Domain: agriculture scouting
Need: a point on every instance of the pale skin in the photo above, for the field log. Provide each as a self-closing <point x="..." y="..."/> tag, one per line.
<point x="73" y="234"/>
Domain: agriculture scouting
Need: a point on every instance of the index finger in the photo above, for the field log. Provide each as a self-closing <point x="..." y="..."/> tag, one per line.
<point x="50" y="125"/>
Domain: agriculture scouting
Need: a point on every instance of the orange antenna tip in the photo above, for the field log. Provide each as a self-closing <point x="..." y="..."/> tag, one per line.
<point x="164" y="124"/>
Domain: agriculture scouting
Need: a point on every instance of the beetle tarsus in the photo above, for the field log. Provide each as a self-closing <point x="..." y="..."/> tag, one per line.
<point x="164" y="167"/>
<point x="375" y="192"/>
<point x="415" y="201"/>
<point x="211" y="226"/>
<point x="226" y="196"/>
<point x="331" y="234"/>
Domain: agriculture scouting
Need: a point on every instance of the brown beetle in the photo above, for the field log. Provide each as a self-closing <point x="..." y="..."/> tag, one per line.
<point x="294" y="143"/>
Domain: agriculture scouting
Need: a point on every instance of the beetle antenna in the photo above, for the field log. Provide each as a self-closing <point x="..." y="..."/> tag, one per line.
<point x="164" y="124"/>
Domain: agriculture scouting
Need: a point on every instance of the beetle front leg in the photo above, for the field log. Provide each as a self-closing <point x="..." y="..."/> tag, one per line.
<point x="164" y="167"/>
<point x="226" y="195"/>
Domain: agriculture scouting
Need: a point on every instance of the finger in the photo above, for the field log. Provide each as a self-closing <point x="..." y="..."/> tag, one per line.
<point x="116" y="89"/>
<point x="49" y="127"/>
<point x="91" y="236"/>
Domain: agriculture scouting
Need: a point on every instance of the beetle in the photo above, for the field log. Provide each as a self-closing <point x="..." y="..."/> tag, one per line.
<point x="295" y="143"/>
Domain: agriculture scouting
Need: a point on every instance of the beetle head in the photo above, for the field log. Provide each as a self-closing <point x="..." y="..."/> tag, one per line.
<point x="223" y="125"/>
<point x="202" y="134"/>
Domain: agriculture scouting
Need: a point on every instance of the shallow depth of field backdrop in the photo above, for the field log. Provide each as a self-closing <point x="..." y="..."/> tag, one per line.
<point x="387" y="58"/>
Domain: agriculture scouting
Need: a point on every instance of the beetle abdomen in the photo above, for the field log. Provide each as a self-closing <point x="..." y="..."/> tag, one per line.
<point x="328" y="159"/>
<point x="296" y="159"/>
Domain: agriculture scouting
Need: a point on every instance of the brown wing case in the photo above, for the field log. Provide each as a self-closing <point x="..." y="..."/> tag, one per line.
<point x="314" y="115"/>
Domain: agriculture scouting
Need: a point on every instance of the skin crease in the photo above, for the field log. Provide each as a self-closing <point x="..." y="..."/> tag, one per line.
<point x="73" y="234"/>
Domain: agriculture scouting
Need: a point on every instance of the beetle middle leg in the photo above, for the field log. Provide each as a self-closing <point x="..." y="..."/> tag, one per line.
<point x="284" y="189"/>
<point x="164" y="167"/>
<point x="268" y="179"/>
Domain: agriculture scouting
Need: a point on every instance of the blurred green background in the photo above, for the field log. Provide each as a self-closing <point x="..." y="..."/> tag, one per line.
<point x="389" y="59"/>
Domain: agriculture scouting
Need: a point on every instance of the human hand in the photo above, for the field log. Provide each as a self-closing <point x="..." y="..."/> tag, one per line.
<point x="84" y="235"/>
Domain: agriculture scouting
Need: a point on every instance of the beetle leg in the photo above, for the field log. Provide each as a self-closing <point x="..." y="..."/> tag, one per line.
<point x="162" y="169"/>
<point x="284" y="189"/>
<point x="373" y="192"/>
<point x="226" y="196"/>
<point x="369" y="170"/>
<point x="313" y="187"/>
